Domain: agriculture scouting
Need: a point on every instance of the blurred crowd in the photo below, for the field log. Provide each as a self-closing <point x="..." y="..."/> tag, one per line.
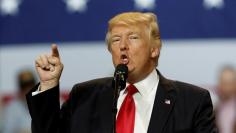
<point x="14" y="116"/>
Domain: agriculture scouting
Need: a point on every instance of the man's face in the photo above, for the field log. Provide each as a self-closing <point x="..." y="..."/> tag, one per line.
<point x="130" y="45"/>
<point x="227" y="83"/>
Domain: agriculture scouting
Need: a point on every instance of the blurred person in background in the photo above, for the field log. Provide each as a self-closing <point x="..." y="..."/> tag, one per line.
<point x="16" y="116"/>
<point x="226" y="109"/>
<point x="1" y="115"/>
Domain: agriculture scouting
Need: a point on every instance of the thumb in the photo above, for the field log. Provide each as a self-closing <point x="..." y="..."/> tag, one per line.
<point x="55" y="51"/>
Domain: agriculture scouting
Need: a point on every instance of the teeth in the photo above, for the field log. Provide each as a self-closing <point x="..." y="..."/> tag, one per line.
<point x="125" y="60"/>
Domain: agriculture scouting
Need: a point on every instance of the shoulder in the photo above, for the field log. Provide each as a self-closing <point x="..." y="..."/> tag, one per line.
<point x="191" y="95"/>
<point x="15" y="108"/>
<point x="190" y="89"/>
<point x="100" y="82"/>
<point x="14" y="104"/>
<point x="91" y="86"/>
<point x="181" y="88"/>
<point x="87" y="92"/>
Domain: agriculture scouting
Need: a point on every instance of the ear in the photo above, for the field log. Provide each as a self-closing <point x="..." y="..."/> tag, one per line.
<point x="154" y="52"/>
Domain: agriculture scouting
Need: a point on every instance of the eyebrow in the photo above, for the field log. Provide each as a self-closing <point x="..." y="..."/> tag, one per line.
<point x="115" y="36"/>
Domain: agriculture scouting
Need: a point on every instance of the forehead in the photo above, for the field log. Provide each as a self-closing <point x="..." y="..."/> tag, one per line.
<point x="127" y="29"/>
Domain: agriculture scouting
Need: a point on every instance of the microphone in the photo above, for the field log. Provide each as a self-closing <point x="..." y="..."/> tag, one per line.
<point x="120" y="76"/>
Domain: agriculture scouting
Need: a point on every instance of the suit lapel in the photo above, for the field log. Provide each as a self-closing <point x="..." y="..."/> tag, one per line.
<point x="163" y="104"/>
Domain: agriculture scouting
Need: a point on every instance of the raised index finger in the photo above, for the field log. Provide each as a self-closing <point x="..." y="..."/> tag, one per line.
<point x="55" y="51"/>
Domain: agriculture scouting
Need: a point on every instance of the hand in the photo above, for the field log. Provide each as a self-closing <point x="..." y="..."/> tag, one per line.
<point x="49" y="69"/>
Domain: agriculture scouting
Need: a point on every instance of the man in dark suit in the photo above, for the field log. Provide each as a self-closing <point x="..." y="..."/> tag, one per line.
<point x="149" y="103"/>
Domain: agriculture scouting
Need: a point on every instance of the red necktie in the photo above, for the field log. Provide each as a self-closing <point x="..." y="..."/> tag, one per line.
<point x="126" y="116"/>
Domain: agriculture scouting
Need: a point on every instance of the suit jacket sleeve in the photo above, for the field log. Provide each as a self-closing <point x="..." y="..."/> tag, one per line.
<point x="47" y="117"/>
<point x="204" y="117"/>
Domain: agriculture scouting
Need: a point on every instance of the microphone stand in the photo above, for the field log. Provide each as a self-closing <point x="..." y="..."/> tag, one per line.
<point x="117" y="89"/>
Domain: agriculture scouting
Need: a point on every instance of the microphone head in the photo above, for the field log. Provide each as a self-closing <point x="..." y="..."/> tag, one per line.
<point x="122" y="69"/>
<point x="121" y="73"/>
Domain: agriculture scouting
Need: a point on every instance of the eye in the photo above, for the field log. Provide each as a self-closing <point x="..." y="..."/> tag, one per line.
<point x="134" y="37"/>
<point x="115" y="39"/>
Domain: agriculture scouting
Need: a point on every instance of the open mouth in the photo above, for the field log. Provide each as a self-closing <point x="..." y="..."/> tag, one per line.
<point x="124" y="59"/>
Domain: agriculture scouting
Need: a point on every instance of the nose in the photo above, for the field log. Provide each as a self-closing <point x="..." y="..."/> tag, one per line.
<point x="124" y="45"/>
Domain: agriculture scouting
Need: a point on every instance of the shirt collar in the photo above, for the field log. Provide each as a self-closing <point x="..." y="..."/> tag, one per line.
<point x="146" y="85"/>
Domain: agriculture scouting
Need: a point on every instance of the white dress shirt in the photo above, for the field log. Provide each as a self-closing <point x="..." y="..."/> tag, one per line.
<point x="144" y="101"/>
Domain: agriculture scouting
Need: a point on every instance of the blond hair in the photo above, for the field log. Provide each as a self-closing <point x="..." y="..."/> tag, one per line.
<point x="133" y="19"/>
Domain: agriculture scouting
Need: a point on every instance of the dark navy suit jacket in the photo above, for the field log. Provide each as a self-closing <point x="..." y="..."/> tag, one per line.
<point x="178" y="108"/>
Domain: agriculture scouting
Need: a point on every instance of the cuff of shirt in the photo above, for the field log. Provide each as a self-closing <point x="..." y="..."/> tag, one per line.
<point x="38" y="91"/>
